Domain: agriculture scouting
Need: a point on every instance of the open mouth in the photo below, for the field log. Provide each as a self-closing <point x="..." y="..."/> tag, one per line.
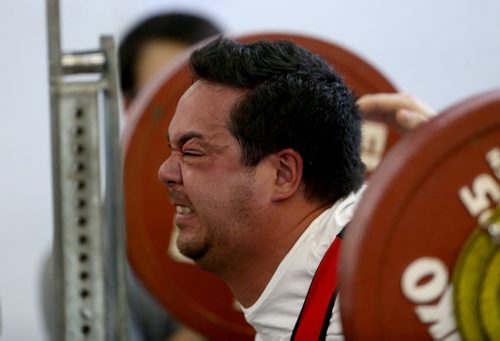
<point x="183" y="209"/>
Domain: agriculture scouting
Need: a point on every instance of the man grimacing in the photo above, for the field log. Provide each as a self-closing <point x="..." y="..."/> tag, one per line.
<point x="265" y="171"/>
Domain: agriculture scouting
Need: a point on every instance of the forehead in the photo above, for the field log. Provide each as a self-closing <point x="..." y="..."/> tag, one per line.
<point x="204" y="107"/>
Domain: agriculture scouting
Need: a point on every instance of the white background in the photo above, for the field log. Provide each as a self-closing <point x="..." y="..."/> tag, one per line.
<point x="439" y="50"/>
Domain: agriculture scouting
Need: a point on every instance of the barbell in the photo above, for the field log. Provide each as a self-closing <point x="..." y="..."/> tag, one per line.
<point x="420" y="239"/>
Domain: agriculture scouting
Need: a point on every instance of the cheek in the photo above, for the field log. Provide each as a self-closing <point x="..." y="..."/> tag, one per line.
<point x="215" y="191"/>
<point x="203" y="187"/>
<point x="263" y="184"/>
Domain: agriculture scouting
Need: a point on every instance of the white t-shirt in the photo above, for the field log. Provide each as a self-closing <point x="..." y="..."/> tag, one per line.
<point x="275" y="312"/>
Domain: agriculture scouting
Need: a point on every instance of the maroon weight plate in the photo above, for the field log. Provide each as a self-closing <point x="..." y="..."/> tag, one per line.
<point x="197" y="298"/>
<point x="425" y="200"/>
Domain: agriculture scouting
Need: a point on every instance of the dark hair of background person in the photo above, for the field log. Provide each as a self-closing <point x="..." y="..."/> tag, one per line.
<point x="294" y="100"/>
<point x="173" y="26"/>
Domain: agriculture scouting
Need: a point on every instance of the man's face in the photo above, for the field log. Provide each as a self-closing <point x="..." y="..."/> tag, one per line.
<point x="218" y="200"/>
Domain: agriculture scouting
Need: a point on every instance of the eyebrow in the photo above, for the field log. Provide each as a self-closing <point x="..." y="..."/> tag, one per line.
<point x="186" y="137"/>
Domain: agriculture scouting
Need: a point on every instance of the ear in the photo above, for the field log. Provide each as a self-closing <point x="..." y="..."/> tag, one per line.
<point x="288" y="166"/>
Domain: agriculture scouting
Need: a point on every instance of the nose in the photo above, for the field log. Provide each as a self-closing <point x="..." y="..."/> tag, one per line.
<point x="169" y="172"/>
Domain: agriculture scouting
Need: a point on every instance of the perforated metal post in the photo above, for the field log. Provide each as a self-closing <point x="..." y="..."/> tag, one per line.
<point x="88" y="246"/>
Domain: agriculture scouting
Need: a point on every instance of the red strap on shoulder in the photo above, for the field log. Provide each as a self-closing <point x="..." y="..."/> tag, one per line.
<point x="318" y="305"/>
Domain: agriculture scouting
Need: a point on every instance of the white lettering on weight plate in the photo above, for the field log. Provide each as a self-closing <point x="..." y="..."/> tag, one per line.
<point x="373" y="143"/>
<point x="424" y="281"/>
<point x="484" y="193"/>
<point x="173" y="250"/>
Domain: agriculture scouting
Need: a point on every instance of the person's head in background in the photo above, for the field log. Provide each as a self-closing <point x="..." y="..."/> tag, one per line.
<point x="155" y="42"/>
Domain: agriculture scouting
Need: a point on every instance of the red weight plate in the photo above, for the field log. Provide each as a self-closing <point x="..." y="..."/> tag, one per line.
<point x="426" y="199"/>
<point x="195" y="297"/>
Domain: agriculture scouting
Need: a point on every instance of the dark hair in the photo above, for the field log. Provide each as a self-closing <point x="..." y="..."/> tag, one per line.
<point x="294" y="100"/>
<point x="179" y="27"/>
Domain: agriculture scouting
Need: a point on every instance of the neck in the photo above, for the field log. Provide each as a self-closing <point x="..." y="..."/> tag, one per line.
<point x="281" y="232"/>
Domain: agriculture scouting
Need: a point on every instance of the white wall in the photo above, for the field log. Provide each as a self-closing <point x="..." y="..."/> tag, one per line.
<point x="440" y="50"/>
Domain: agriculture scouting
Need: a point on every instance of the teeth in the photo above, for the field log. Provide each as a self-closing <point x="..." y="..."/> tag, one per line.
<point x="183" y="209"/>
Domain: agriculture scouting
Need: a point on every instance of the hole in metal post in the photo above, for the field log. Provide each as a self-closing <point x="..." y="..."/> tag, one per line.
<point x="80" y="185"/>
<point x="78" y="149"/>
<point x="84" y="293"/>
<point x="81" y="221"/>
<point x="79" y="112"/>
<point x="78" y="167"/>
<point x="80" y="203"/>
<point x="78" y="131"/>
<point x="86" y="329"/>
<point x="83" y="258"/>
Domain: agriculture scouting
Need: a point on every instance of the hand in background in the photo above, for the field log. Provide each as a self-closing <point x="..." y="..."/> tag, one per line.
<point x="401" y="111"/>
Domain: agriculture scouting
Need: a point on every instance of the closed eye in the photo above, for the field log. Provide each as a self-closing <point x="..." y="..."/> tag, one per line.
<point x="191" y="153"/>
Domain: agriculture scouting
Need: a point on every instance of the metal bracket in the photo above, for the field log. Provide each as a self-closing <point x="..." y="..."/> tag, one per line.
<point x="89" y="247"/>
